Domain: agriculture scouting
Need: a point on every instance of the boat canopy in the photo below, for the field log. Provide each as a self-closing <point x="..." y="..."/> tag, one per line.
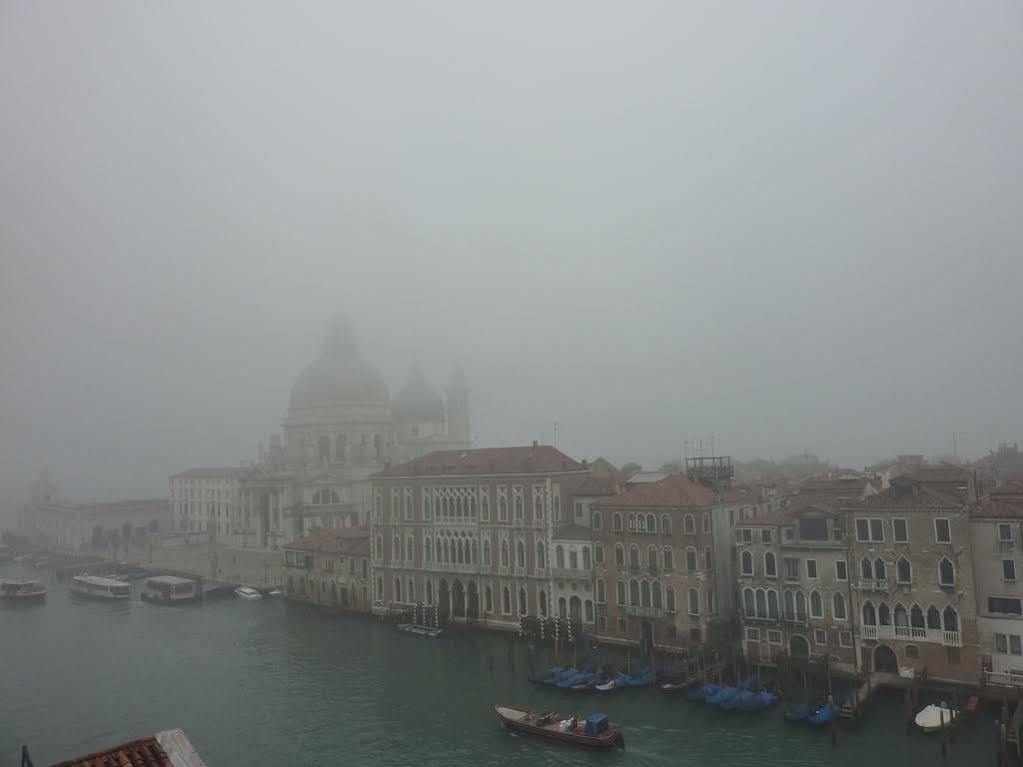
<point x="596" y="724"/>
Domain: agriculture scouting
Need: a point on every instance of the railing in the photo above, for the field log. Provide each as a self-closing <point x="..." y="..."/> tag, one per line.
<point x="540" y="572"/>
<point x="645" y="612"/>
<point x="871" y="584"/>
<point x="938" y="636"/>
<point x="519" y="570"/>
<point x="451" y="567"/>
<point x="1003" y="680"/>
<point x="567" y="572"/>
<point x="952" y="639"/>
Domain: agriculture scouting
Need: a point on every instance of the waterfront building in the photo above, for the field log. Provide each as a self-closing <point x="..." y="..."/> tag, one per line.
<point x="73" y="527"/>
<point x="204" y="504"/>
<point x="912" y="577"/>
<point x="329" y="566"/>
<point x="663" y="568"/>
<point x="342" y="427"/>
<point x="793" y="580"/>
<point x="572" y="574"/>
<point x="997" y="549"/>
<point x="471" y="532"/>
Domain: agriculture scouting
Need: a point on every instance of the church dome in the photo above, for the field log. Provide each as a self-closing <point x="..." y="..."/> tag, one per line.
<point x="417" y="401"/>
<point x="340" y="376"/>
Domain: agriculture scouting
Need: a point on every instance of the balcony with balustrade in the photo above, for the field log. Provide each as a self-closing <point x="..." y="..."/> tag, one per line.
<point x="644" y="612"/>
<point x="912" y="633"/>
<point x="568" y="573"/>
<point x="464" y="568"/>
<point x="879" y="585"/>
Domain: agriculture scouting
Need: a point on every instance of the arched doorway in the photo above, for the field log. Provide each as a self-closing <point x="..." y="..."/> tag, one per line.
<point x="474" y="601"/>
<point x="575" y="609"/>
<point x="885" y="660"/>
<point x="444" y="599"/>
<point x="458" y="599"/>
<point x="799" y="647"/>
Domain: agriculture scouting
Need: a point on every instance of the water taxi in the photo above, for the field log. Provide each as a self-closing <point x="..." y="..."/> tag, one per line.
<point x="21" y="590"/>
<point x="245" y="592"/>
<point x="170" y="590"/>
<point x="594" y="732"/>
<point x="99" y="587"/>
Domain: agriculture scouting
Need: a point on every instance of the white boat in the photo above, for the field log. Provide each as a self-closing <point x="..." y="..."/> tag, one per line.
<point x="247" y="593"/>
<point x="100" y="587"/>
<point x="170" y="590"/>
<point x="423" y="631"/>
<point x="275" y="593"/>
<point x="21" y="590"/>
<point x="936" y="717"/>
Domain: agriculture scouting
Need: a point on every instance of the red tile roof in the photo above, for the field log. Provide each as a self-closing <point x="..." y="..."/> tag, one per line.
<point x="942" y="474"/>
<point x="600" y="485"/>
<point x="795" y="505"/>
<point x="353" y="541"/>
<point x="741" y="494"/>
<point x="145" y="752"/>
<point x="674" y="491"/>
<point x="536" y="459"/>
<point x="994" y="508"/>
<point x="1012" y="487"/>
<point x="922" y="497"/>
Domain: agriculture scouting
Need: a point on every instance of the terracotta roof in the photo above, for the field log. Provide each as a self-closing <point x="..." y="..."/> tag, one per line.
<point x="943" y="474"/>
<point x="353" y="541"/>
<point x="1012" y="487"/>
<point x="995" y="508"/>
<point x="145" y="752"/>
<point x="599" y="485"/>
<point x="209" y="473"/>
<point x="741" y="494"/>
<point x="795" y="505"/>
<point x="674" y="491"/>
<point x="535" y="459"/>
<point x="922" y="497"/>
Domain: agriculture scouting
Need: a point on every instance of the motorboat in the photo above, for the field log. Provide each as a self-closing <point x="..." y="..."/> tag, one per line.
<point x="247" y="592"/>
<point x="170" y="590"/>
<point x="22" y="590"/>
<point x="431" y="632"/>
<point x="594" y="732"/>
<point x="936" y="717"/>
<point x="100" y="587"/>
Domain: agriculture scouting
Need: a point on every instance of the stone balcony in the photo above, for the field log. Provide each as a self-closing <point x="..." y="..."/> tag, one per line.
<point x="1003" y="680"/>
<point x="880" y="585"/>
<point x="450" y="567"/>
<point x="644" y="612"/>
<point x="913" y="633"/>
<point x="567" y="573"/>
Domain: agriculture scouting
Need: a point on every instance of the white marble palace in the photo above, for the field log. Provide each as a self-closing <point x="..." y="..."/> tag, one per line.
<point x="341" y="428"/>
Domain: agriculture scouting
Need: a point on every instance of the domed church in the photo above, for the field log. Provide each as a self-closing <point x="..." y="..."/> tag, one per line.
<point x="342" y="427"/>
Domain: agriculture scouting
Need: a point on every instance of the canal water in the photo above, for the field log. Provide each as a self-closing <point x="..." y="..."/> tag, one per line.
<point x="270" y="682"/>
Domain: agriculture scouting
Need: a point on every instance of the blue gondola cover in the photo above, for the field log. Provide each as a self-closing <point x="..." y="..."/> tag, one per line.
<point x="596" y="724"/>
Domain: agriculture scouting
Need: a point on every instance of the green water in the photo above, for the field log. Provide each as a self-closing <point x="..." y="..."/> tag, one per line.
<point x="283" y="684"/>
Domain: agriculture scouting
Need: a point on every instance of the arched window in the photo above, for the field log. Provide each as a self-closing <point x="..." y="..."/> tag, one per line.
<point x="880" y="572"/>
<point x="634" y="592"/>
<point x="708" y="559"/>
<point x="520" y="554"/>
<point x="838" y="606"/>
<point x="488" y="599"/>
<point x="651" y="557"/>
<point x="669" y="599"/>
<point x="397" y="589"/>
<point x="651" y="523"/>
<point x="410" y="550"/>
<point x="816" y="605"/>
<point x="616" y="522"/>
<point x="916" y="617"/>
<point x="486" y="553"/>
<point x="543" y="603"/>
<point x="747" y="563"/>
<point x="951" y="618"/>
<point x="634" y="556"/>
<point x="669" y="558"/>
<point x="522" y="602"/>
<point x="884" y="614"/>
<point x="427" y="549"/>
<point x="395" y="549"/>
<point x="790" y="606"/>
<point x="748" y="604"/>
<point x="691" y="565"/>
<point x="586" y="558"/>
<point x="903" y="571"/>
<point x="589" y="611"/>
<point x="429" y="592"/>
<point x="933" y="618"/>
<point x="619" y="555"/>
<point x="801" y="606"/>
<point x="688" y="524"/>
<point x="598" y="553"/>
<point x="665" y="524"/>
<point x="440" y="551"/>
<point x="644" y="591"/>
<point x="694" y="602"/>
<point x="505" y="555"/>
<point x="380" y="588"/>
<point x="506" y="600"/>
<point x="772" y="604"/>
<point x="380" y="547"/>
<point x="559" y="556"/>
<point x="869" y="614"/>
<point x="541" y="555"/>
<point x="866" y="569"/>
<point x="706" y="522"/>
<point x="946" y="572"/>
<point x="562" y="607"/>
<point x="656" y="595"/>
<point x="601" y="596"/>
<point x="901" y="617"/>
<point x="411" y="590"/>
<point x="770" y="565"/>
<point x="620" y="592"/>
<point x="761" y="603"/>
<point x="596" y="521"/>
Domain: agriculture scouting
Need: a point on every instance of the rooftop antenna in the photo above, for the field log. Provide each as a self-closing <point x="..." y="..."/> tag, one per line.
<point x="555" y="434"/>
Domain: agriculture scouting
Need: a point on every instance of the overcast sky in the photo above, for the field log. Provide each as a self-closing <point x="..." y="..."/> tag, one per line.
<point x="792" y="225"/>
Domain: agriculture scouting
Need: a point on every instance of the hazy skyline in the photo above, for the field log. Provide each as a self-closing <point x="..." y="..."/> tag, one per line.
<point x="794" y="226"/>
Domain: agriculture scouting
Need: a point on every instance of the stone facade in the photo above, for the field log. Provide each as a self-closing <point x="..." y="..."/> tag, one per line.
<point x="330" y="567"/>
<point x="204" y="504"/>
<point x="471" y="532"/>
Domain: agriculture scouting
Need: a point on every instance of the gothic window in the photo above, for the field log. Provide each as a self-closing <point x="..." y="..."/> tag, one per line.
<point x="770" y="565"/>
<point x="486" y="553"/>
<point x="669" y="558"/>
<point x="600" y="592"/>
<point x="520" y="554"/>
<point x="634" y="592"/>
<point x="691" y="564"/>
<point x="669" y="599"/>
<point x="559" y="556"/>
<point x="541" y="559"/>
<point x="522" y="602"/>
<point x="708" y="559"/>
<point x="946" y="572"/>
<point x="619" y="555"/>
<point x="838" y="606"/>
<point x="616" y="522"/>
<point x="689" y="524"/>
<point x="597" y="520"/>
<point x="903" y="571"/>
<point x="505" y="554"/>
<point x="665" y="524"/>
<point x="634" y="556"/>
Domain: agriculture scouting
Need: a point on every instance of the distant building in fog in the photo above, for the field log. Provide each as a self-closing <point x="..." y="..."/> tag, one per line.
<point x="342" y="427"/>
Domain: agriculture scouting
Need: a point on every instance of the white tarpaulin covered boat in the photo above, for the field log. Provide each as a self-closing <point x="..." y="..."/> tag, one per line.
<point x="933" y="718"/>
